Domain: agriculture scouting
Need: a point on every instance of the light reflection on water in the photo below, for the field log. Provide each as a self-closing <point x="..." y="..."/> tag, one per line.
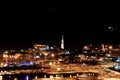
<point x="48" y="76"/>
<point x="24" y="78"/>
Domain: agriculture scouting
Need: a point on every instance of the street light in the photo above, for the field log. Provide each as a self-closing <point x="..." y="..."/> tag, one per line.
<point x="86" y="47"/>
<point x="52" y="55"/>
<point x="110" y="47"/>
<point x="45" y="55"/>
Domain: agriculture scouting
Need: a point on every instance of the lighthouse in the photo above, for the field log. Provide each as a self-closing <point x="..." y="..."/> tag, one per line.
<point x="62" y="42"/>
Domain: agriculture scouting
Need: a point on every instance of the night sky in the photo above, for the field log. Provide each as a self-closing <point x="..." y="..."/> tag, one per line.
<point x="23" y="24"/>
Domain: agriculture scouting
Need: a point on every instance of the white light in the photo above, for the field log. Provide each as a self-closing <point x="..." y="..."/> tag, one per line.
<point x="52" y="55"/>
<point x="1" y="78"/>
<point x="58" y="69"/>
<point x="27" y="77"/>
<point x="110" y="47"/>
<point x="50" y="63"/>
<point x="110" y="28"/>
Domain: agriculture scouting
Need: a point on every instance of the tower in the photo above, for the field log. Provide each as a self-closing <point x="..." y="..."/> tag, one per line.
<point x="62" y="42"/>
<point x="103" y="48"/>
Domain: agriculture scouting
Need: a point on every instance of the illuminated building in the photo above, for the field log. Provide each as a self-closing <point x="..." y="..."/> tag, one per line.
<point x="41" y="47"/>
<point x="62" y="42"/>
<point x="117" y="63"/>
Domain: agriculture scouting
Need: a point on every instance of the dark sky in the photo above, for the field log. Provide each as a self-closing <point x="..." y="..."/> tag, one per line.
<point x="25" y="23"/>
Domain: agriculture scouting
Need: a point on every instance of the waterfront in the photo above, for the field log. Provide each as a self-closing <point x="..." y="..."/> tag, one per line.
<point x="67" y="76"/>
